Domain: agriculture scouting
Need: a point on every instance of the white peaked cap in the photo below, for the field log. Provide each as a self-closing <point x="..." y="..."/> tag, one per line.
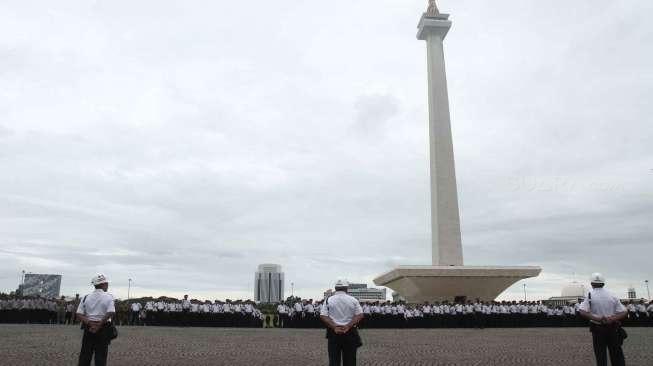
<point x="597" y="278"/>
<point x="342" y="283"/>
<point x="99" y="279"/>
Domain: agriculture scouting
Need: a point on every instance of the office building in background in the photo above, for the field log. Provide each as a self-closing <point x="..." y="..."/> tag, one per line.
<point x="361" y="292"/>
<point x="269" y="283"/>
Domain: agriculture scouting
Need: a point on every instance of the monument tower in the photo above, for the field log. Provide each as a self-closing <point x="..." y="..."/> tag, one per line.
<point x="447" y="278"/>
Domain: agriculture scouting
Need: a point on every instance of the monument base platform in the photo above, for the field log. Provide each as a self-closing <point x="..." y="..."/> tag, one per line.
<point x="439" y="283"/>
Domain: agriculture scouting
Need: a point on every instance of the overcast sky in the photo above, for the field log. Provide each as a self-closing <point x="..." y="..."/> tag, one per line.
<point x="182" y="143"/>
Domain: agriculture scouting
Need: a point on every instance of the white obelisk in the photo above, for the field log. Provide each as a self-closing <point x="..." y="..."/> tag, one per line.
<point x="447" y="279"/>
<point x="445" y="218"/>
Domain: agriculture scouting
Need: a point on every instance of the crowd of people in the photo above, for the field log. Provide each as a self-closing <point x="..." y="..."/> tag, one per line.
<point x="505" y="314"/>
<point x="36" y="310"/>
<point x="306" y="313"/>
<point x="152" y="312"/>
<point x="195" y="313"/>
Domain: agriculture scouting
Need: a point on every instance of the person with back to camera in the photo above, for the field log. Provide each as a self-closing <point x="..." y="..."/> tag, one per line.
<point x="605" y="313"/>
<point x="95" y="312"/>
<point x="341" y="313"/>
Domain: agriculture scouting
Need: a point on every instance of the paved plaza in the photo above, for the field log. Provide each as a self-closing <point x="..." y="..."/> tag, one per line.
<point x="59" y="345"/>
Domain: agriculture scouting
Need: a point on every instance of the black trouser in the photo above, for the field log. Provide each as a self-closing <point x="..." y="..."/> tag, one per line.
<point x="606" y="338"/>
<point x="341" y="352"/>
<point x="94" y="343"/>
<point x="133" y="318"/>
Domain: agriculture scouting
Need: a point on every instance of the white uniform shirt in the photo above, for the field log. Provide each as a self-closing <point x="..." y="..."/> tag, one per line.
<point x="341" y="308"/>
<point x="97" y="304"/>
<point x="136" y="306"/>
<point x="631" y="308"/>
<point x="603" y="303"/>
<point x="641" y="308"/>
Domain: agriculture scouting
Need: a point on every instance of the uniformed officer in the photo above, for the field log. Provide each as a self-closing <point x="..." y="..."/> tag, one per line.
<point x="641" y="313"/>
<point x="605" y="313"/>
<point x="134" y="313"/>
<point x="95" y="312"/>
<point x="341" y="313"/>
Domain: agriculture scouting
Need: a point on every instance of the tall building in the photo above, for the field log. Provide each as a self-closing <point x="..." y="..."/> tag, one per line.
<point x="268" y="283"/>
<point x="572" y="293"/>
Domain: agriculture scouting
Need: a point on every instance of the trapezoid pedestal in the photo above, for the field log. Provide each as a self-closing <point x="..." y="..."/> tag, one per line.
<point x="448" y="283"/>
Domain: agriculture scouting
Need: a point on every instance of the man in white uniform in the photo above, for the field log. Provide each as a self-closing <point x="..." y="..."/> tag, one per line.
<point x="135" y="310"/>
<point x="605" y="313"/>
<point x="95" y="312"/>
<point x="341" y="313"/>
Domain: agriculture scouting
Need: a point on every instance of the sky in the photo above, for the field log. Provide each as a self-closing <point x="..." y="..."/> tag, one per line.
<point x="181" y="144"/>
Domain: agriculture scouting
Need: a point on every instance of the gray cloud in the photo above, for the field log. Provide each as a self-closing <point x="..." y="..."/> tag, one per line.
<point x="183" y="144"/>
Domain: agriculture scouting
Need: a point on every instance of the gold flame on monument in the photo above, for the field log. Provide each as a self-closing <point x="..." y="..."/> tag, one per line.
<point x="432" y="10"/>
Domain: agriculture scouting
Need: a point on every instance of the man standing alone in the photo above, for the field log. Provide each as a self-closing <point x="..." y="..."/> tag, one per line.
<point x="95" y="312"/>
<point x="341" y="313"/>
<point x="605" y="313"/>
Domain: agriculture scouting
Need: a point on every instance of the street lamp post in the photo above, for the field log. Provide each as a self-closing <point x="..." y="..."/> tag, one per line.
<point x="648" y="292"/>
<point x="292" y="289"/>
<point x="524" y="292"/>
<point x="129" y="287"/>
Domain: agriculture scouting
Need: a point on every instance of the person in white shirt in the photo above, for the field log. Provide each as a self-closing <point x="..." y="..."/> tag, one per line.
<point x="282" y="309"/>
<point x="341" y="313"/>
<point x="95" y="312"/>
<point x="641" y="312"/>
<point x="135" y="308"/>
<point x="70" y="308"/>
<point x="605" y="313"/>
